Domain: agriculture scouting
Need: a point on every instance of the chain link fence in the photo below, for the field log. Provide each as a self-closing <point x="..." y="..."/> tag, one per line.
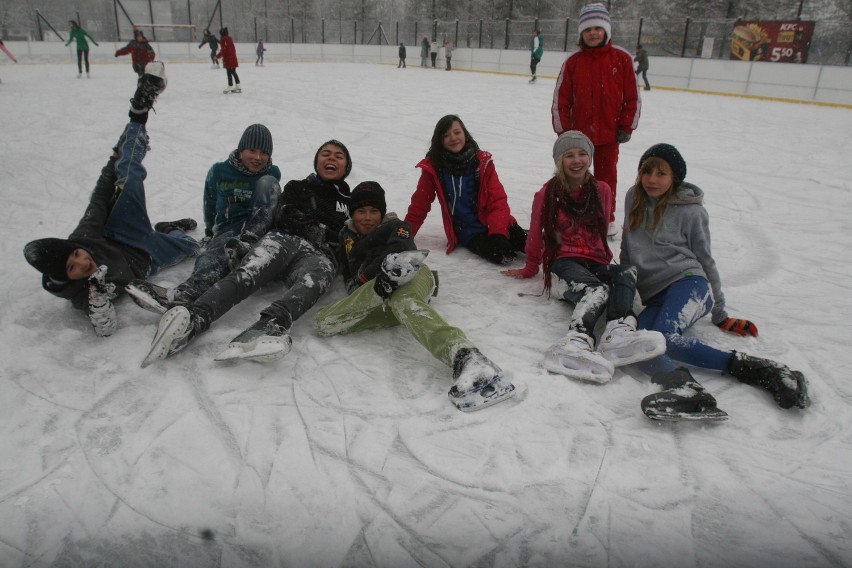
<point x="831" y="43"/>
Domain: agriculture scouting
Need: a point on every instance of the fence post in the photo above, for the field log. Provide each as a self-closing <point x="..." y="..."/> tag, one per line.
<point x="435" y="30"/>
<point x="456" y="41"/>
<point x="416" y="35"/>
<point x="639" y="37"/>
<point x="323" y="31"/>
<point x="255" y="30"/>
<point x="567" y="24"/>
<point x="685" y="35"/>
<point x="506" y="43"/>
<point x="397" y="32"/>
<point x="480" y="34"/>
<point x="292" y="30"/>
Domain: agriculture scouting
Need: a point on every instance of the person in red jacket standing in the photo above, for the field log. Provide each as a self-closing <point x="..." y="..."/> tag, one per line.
<point x="228" y="55"/>
<point x="141" y="52"/>
<point x="596" y="94"/>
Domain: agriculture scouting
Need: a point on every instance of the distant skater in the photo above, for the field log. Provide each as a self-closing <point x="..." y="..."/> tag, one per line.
<point x="78" y="34"/>
<point x="211" y="40"/>
<point x="228" y="55"/>
<point x="260" y="49"/>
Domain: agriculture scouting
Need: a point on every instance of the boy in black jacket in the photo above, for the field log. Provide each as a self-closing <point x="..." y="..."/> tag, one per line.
<point x="114" y="242"/>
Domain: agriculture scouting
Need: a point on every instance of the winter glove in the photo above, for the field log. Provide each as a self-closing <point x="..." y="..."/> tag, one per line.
<point x="237" y="247"/>
<point x="622" y="136"/>
<point x="101" y="311"/>
<point x="494" y="248"/>
<point x="208" y="232"/>
<point x="397" y="269"/>
<point x="739" y="326"/>
<point x="503" y="247"/>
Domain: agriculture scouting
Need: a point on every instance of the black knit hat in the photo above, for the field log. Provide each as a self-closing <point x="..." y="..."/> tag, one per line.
<point x="340" y="145"/>
<point x="367" y="193"/>
<point x="50" y="257"/>
<point x="671" y="156"/>
<point x="223" y="31"/>
<point x="256" y="137"/>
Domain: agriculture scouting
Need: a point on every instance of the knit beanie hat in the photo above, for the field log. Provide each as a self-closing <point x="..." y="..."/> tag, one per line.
<point x="595" y="15"/>
<point x="223" y="31"/>
<point x="671" y="156"/>
<point x="340" y="145"/>
<point x="572" y="139"/>
<point x="258" y="137"/>
<point x="367" y="193"/>
<point x="50" y="257"/>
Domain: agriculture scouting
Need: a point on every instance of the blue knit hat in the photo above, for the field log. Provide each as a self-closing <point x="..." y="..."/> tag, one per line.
<point x="256" y="137"/>
<point x="595" y="15"/>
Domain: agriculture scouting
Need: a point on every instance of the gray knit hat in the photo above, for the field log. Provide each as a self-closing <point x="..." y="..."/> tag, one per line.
<point x="595" y="15"/>
<point x="256" y="137"/>
<point x="572" y="139"/>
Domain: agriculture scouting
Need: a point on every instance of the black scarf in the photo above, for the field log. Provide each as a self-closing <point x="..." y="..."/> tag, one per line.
<point x="237" y="164"/>
<point x="457" y="164"/>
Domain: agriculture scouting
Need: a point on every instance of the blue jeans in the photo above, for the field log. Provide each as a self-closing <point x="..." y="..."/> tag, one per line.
<point x="128" y="222"/>
<point x="672" y="312"/>
<point x="212" y="265"/>
<point x="595" y="288"/>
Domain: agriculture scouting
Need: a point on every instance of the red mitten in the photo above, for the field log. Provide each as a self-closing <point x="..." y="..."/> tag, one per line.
<point x="739" y="326"/>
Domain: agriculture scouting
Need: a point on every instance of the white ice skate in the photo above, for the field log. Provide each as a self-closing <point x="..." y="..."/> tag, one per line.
<point x="478" y="383"/>
<point x="263" y="342"/>
<point x="622" y="344"/>
<point x="574" y="357"/>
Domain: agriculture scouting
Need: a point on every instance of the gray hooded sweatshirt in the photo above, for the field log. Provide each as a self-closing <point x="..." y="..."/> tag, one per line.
<point x="679" y="247"/>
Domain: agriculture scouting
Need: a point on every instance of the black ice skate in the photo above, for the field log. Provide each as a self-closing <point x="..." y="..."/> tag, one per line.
<point x="683" y="399"/>
<point x="788" y="388"/>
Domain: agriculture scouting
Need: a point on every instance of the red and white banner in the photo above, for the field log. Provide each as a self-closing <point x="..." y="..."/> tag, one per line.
<point x="785" y="42"/>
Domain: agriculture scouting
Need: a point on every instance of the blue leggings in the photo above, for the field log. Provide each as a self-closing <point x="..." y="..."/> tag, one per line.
<point x="672" y="312"/>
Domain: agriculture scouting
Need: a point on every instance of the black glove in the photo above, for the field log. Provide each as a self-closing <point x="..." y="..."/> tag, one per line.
<point x="397" y="269"/>
<point x="101" y="311"/>
<point x="622" y="136"/>
<point x="494" y="248"/>
<point x="503" y="247"/>
<point x="208" y="232"/>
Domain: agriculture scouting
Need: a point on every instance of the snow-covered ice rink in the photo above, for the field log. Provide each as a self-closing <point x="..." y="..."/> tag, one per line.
<point x="347" y="452"/>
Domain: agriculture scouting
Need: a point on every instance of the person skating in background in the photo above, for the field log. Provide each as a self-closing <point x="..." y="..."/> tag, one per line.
<point x="596" y="94"/>
<point x="238" y="201"/>
<point x="667" y="237"/>
<point x="642" y="65"/>
<point x="259" y="50"/>
<point x="140" y="52"/>
<point x="536" y="52"/>
<point x="474" y="207"/>
<point x="78" y="34"/>
<point x="213" y="43"/>
<point x="401" y="56"/>
<point x="568" y="236"/>
<point x="448" y="53"/>
<point x="114" y="241"/>
<point x="300" y="250"/>
<point x="228" y="55"/>
<point x="389" y="285"/>
<point x="424" y="52"/>
<point x="433" y="52"/>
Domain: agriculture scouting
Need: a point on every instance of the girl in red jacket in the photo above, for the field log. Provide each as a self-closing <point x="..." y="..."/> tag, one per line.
<point x="228" y="55"/>
<point x="568" y="230"/>
<point x="596" y="94"/>
<point x="474" y="207"/>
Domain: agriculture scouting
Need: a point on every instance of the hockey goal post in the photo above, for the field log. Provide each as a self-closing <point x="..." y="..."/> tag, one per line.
<point x="173" y="31"/>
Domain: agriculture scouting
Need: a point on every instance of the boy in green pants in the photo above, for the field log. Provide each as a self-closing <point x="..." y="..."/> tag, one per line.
<point x="389" y="285"/>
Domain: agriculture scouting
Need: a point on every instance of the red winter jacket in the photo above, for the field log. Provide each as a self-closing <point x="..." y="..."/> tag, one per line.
<point x="140" y="52"/>
<point x="596" y="94"/>
<point x="228" y="53"/>
<point x="493" y="205"/>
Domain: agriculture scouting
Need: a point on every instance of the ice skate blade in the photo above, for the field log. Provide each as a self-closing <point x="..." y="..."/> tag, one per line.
<point x="171" y="326"/>
<point x="598" y="375"/>
<point x="630" y="355"/>
<point x="714" y="415"/>
<point x="144" y="300"/>
<point x="265" y="350"/>
<point x="488" y="395"/>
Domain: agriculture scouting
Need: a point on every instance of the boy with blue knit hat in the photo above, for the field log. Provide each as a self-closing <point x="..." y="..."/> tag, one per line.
<point x="239" y="200"/>
<point x="596" y="94"/>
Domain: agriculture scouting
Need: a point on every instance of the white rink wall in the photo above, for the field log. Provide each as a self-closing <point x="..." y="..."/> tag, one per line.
<point x="807" y="83"/>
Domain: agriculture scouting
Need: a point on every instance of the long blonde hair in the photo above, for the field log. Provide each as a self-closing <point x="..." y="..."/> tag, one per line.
<point x="636" y="215"/>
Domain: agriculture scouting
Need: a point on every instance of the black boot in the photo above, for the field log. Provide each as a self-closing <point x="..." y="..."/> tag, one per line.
<point x="682" y="398"/>
<point x="518" y="235"/>
<point x="788" y="388"/>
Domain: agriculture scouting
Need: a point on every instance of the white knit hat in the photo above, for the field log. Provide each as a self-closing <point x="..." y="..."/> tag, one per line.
<point x="595" y="15"/>
<point x="572" y="139"/>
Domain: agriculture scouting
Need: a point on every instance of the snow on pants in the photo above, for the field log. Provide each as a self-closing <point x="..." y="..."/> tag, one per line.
<point x="408" y="305"/>
<point x="595" y="288"/>
<point x="128" y="222"/>
<point x="606" y="169"/>
<point x="212" y="265"/>
<point x="306" y="274"/>
<point x="672" y="312"/>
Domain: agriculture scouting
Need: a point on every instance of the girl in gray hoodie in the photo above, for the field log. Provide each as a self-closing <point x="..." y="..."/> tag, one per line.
<point x="667" y="238"/>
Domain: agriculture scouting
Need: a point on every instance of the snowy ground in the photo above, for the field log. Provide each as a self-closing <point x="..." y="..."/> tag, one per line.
<point x="347" y="452"/>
